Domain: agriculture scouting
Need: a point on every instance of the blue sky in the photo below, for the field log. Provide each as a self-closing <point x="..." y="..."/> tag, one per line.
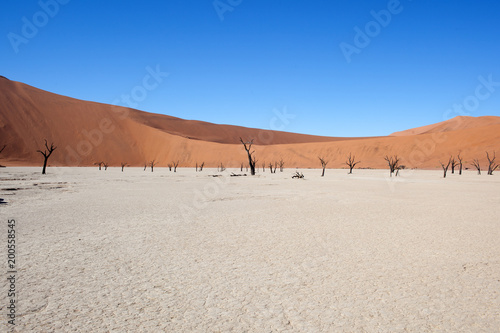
<point x="241" y="62"/>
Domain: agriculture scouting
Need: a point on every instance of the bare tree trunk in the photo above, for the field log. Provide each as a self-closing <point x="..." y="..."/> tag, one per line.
<point x="445" y="168"/>
<point x="492" y="166"/>
<point x="46" y="154"/>
<point x="351" y="162"/>
<point x="460" y="162"/>
<point x="323" y="165"/>
<point x="475" y="163"/>
<point x="251" y="161"/>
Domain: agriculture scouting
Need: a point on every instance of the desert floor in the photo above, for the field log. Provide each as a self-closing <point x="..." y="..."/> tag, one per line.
<point x="138" y="251"/>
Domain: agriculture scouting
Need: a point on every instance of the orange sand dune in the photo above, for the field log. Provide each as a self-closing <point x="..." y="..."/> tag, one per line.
<point x="87" y="132"/>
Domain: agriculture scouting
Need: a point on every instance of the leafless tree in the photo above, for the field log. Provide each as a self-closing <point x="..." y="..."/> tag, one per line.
<point x="169" y="167"/>
<point x="323" y="165"/>
<point x="1" y="150"/>
<point x="251" y="159"/>
<point x="350" y="162"/>
<point x="475" y="163"/>
<point x="492" y="166"/>
<point x="221" y="167"/>
<point x="281" y="164"/>
<point x="99" y="164"/>
<point x="393" y="162"/>
<point x="298" y="175"/>
<point x="201" y="166"/>
<point x="454" y="163"/>
<point x="271" y="167"/>
<point x="175" y="165"/>
<point x="145" y="166"/>
<point x="445" y="168"/>
<point x="123" y="165"/>
<point x="460" y="163"/>
<point x="263" y="166"/>
<point x="152" y="164"/>
<point x="241" y="167"/>
<point x="46" y="154"/>
<point x="105" y="164"/>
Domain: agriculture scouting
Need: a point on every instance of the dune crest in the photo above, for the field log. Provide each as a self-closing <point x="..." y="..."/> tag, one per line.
<point x="88" y="132"/>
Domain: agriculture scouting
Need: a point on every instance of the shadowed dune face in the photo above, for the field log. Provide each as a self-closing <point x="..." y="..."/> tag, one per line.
<point x="87" y="132"/>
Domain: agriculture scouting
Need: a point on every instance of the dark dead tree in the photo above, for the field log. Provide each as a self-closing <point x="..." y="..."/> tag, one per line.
<point x="1" y="150"/>
<point x="492" y="166"/>
<point x="46" y="154"/>
<point x="393" y="162"/>
<point x="263" y="166"/>
<point x="99" y="164"/>
<point x="196" y="166"/>
<point x="254" y="162"/>
<point x="176" y="164"/>
<point x="298" y="175"/>
<point x="460" y="163"/>
<point x="105" y="164"/>
<point x="241" y="167"/>
<point x="271" y="167"/>
<point x="445" y="168"/>
<point x="323" y="165"/>
<point x="251" y="161"/>
<point x="275" y="167"/>
<point x="152" y="164"/>
<point x="201" y="166"/>
<point x="145" y="166"/>
<point x="281" y="164"/>
<point x="123" y="165"/>
<point x="350" y="162"/>
<point x="169" y="167"/>
<point x="453" y="164"/>
<point x="475" y="163"/>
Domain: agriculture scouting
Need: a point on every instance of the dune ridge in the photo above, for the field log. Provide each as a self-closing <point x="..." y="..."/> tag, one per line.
<point x="87" y="132"/>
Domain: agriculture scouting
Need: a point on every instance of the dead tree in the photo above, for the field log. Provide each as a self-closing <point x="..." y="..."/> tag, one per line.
<point x="275" y="166"/>
<point x="393" y="162"/>
<point x="460" y="163"/>
<point x="323" y="165"/>
<point x="271" y="167"/>
<point x="152" y="164"/>
<point x="175" y="165"/>
<point x="263" y="166"/>
<point x="201" y="166"/>
<point x="350" y="162"/>
<point x="475" y="163"/>
<point x="445" y="168"/>
<point x="492" y="166"/>
<point x="145" y="166"/>
<point x="251" y="160"/>
<point x="1" y="150"/>
<point x="123" y="165"/>
<point x="298" y="175"/>
<point x="241" y="167"/>
<point x="254" y="162"/>
<point x="169" y="167"/>
<point x="46" y="154"/>
<point x="99" y="164"/>
<point x="454" y="163"/>
<point x="105" y="164"/>
<point x="281" y="165"/>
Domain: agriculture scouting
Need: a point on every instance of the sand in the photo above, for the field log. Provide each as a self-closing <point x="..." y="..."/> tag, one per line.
<point x="137" y="251"/>
<point x="88" y="132"/>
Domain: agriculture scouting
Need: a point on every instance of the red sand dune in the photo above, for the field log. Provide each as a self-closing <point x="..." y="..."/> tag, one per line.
<point x="87" y="132"/>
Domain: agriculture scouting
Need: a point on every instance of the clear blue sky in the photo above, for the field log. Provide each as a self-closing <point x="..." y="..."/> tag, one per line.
<point x="241" y="62"/>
